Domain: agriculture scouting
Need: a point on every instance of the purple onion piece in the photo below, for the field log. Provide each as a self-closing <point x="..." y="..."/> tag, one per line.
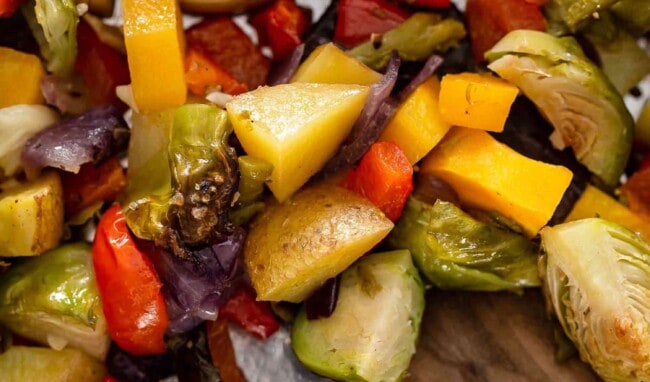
<point x="195" y="289"/>
<point x="283" y="72"/>
<point x="69" y="95"/>
<point x="321" y="304"/>
<point x="72" y="142"/>
<point x="430" y="66"/>
<point x="377" y="112"/>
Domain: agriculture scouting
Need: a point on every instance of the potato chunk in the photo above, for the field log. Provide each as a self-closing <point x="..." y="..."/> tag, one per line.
<point x="294" y="247"/>
<point x="295" y="127"/>
<point x="31" y="217"/>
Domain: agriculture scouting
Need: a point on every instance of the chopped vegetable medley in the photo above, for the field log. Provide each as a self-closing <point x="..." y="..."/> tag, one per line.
<point x="230" y="190"/>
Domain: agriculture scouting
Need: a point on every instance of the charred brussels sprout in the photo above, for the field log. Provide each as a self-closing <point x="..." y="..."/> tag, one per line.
<point x="414" y="40"/>
<point x="597" y="276"/>
<point x="584" y="108"/>
<point x="53" y="299"/>
<point x="372" y="333"/>
<point x="204" y="174"/>
<point x="455" y="251"/>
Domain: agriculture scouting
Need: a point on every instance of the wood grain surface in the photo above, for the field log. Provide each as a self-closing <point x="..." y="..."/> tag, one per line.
<point x="490" y="337"/>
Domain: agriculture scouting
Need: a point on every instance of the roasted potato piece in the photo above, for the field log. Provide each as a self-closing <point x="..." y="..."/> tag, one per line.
<point x="294" y="247"/>
<point x="31" y="216"/>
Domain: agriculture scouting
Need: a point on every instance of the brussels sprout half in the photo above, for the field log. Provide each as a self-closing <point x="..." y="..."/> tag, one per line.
<point x="597" y="276"/>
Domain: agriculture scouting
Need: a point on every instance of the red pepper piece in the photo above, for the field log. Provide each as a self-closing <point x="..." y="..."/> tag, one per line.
<point x="101" y="67"/>
<point x="129" y="288"/>
<point x="230" y="47"/>
<point x="358" y="19"/>
<point x="92" y="184"/>
<point x="637" y="191"/>
<point x="253" y="316"/>
<point x="201" y="73"/>
<point x="280" y="26"/>
<point x="490" y="20"/>
<point x="9" y="7"/>
<point x="385" y="177"/>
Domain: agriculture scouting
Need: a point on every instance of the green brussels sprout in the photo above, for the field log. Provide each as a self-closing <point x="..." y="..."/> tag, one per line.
<point x="414" y="40"/>
<point x="25" y="363"/>
<point x="597" y="278"/>
<point x="455" y="251"/>
<point x="586" y="111"/>
<point x="574" y="13"/>
<point x="371" y="335"/>
<point x="53" y="299"/>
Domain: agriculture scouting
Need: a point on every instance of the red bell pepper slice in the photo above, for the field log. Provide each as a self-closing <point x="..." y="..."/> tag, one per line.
<point x="101" y="67"/>
<point x="202" y="73"/>
<point x="92" y="184"/>
<point x="129" y="288"/>
<point x="385" y="177"/>
<point x="253" y="316"/>
<point x="358" y="19"/>
<point x="280" y="26"/>
<point x="490" y="20"/>
<point x="9" y="7"/>
<point x="637" y="191"/>
<point x="229" y="46"/>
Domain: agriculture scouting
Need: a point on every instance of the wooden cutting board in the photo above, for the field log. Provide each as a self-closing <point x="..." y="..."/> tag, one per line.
<point x="490" y="337"/>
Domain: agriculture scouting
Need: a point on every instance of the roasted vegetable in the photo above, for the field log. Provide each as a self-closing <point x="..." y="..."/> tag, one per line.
<point x="129" y="287"/>
<point x="204" y="176"/>
<point x="54" y="25"/>
<point x="70" y="143"/>
<point x="476" y="101"/>
<point x="18" y="124"/>
<point x="20" y="78"/>
<point x="585" y="109"/>
<point x="328" y="64"/>
<point x="148" y="186"/>
<point x="26" y="363"/>
<point x="294" y="247"/>
<point x="595" y="203"/>
<point x="372" y="333"/>
<point x="253" y="173"/>
<point x="455" y="251"/>
<point x="296" y="127"/>
<point x="153" y="35"/>
<point x="574" y="14"/>
<point x="467" y="159"/>
<point x="31" y="216"/>
<point x="597" y="275"/>
<point x="415" y="39"/>
<point x="635" y="15"/>
<point x="53" y="299"/>
<point x="358" y="20"/>
<point x="417" y="125"/>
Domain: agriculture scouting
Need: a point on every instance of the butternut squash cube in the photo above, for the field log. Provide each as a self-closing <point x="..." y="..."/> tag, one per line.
<point x="294" y="247"/>
<point x="20" y="78"/>
<point x="296" y="127"/>
<point x="328" y="64"/>
<point x="476" y="101"/>
<point x="595" y="203"/>
<point x="489" y="175"/>
<point x="417" y="125"/>
<point x="153" y="34"/>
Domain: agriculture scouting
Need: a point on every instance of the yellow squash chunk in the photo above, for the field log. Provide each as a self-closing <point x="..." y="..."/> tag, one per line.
<point x="153" y="34"/>
<point x="595" y="203"/>
<point x="417" y="125"/>
<point x="20" y="78"/>
<point x="330" y="65"/>
<point x="489" y="175"/>
<point x="294" y="247"/>
<point x="296" y="127"/>
<point x="31" y="217"/>
<point x="476" y="101"/>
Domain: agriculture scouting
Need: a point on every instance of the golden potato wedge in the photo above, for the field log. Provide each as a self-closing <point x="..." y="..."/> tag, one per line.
<point x="294" y="247"/>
